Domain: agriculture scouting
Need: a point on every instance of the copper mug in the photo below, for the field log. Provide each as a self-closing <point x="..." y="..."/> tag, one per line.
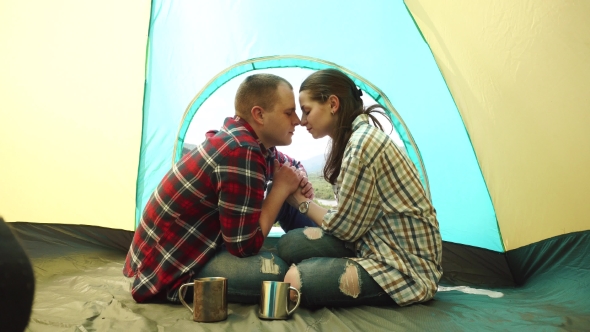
<point x="274" y="300"/>
<point x="209" y="299"/>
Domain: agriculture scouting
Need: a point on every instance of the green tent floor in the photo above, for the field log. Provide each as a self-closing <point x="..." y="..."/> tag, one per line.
<point x="80" y="287"/>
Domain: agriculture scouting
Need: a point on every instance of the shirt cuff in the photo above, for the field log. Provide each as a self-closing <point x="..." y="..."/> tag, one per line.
<point x="327" y="220"/>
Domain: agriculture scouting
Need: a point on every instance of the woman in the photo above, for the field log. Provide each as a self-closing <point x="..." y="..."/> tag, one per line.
<point x="381" y="245"/>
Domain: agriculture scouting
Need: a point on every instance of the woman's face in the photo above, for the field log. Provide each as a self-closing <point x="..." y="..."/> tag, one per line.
<point x="316" y="116"/>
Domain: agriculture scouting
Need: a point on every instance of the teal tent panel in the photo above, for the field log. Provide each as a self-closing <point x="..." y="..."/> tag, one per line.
<point x="192" y="42"/>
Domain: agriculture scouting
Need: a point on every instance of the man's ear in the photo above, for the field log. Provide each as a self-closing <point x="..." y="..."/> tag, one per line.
<point x="257" y="113"/>
<point x="334" y="103"/>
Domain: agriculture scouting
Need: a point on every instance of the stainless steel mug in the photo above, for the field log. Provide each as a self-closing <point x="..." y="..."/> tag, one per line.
<point x="274" y="300"/>
<point x="209" y="299"/>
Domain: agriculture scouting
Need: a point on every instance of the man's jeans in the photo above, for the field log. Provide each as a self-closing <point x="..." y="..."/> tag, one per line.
<point x="245" y="275"/>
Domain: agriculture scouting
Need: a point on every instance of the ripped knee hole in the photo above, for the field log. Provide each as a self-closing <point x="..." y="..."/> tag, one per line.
<point x="267" y="265"/>
<point x="313" y="233"/>
<point x="349" y="281"/>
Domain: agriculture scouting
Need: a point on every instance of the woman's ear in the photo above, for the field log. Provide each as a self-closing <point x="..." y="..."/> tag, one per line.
<point x="257" y="113"/>
<point x="334" y="103"/>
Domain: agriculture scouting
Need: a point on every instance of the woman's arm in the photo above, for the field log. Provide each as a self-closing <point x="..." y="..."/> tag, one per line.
<point x="356" y="211"/>
<point x="315" y="212"/>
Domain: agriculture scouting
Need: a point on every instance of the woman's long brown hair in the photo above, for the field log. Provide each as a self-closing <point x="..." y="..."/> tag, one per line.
<point x="320" y="86"/>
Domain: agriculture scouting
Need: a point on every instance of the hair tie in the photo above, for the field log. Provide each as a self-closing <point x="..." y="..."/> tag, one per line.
<point x="357" y="93"/>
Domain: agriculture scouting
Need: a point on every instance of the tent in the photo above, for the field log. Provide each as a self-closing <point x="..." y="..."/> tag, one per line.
<point x="490" y="99"/>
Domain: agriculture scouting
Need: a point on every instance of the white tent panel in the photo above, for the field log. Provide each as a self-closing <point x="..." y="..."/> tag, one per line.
<point x="71" y="94"/>
<point x="519" y="72"/>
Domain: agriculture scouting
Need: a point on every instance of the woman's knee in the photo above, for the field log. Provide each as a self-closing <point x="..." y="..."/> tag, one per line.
<point x="294" y="279"/>
<point x="294" y="239"/>
<point x="288" y="244"/>
<point x="349" y="281"/>
<point x="301" y="244"/>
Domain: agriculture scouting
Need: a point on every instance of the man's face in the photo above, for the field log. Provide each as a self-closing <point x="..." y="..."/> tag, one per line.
<point x="280" y="122"/>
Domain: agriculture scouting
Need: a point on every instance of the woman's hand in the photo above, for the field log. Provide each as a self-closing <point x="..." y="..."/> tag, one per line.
<point x="286" y="179"/>
<point x="306" y="186"/>
<point x="296" y="198"/>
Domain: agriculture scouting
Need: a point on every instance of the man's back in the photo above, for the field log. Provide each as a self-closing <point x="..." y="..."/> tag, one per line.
<point x="212" y="195"/>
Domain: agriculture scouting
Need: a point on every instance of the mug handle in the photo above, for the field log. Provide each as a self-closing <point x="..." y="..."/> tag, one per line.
<point x="298" y="300"/>
<point x="180" y="292"/>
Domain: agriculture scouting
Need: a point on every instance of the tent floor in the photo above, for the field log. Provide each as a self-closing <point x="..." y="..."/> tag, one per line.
<point x="80" y="287"/>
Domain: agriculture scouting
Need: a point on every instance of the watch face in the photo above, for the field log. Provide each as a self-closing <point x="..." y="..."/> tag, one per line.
<point x="303" y="207"/>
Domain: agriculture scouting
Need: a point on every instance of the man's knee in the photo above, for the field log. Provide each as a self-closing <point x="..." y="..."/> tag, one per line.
<point x="269" y="266"/>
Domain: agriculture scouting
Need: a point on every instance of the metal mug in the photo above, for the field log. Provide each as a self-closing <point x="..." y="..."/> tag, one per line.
<point x="209" y="299"/>
<point x="274" y="300"/>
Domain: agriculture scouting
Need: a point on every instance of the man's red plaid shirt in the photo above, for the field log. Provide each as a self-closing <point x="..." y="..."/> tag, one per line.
<point x="214" y="194"/>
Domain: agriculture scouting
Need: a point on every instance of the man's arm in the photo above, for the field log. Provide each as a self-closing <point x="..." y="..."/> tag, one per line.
<point x="246" y="217"/>
<point x="240" y="178"/>
<point x="286" y="180"/>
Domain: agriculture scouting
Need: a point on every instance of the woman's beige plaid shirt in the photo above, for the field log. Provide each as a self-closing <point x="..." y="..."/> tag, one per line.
<point x="385" y="212"/>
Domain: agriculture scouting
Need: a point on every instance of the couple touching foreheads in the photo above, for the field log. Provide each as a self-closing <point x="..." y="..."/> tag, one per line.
<point x="211" y="212"/>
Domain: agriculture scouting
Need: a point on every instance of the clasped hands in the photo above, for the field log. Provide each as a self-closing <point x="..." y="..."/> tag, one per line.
<point x="292" y="181"/>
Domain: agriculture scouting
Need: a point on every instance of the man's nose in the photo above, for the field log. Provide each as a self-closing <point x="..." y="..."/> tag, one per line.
<point x="297" y="121"/>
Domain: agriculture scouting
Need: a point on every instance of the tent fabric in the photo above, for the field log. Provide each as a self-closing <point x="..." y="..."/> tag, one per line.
<point x="567" y="250"/>
<point x="71" y="127"/>
<point x="519" y="73"/>
<point x="393" y="57"/>
<point x="80" y="288"/>
<point x="491" y="100"/>
<point x="71" y="90"/>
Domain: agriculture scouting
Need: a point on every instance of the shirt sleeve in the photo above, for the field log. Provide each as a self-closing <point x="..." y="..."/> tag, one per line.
<point x="357" y="209"/>
<point x="281" y="157"/>
<point x="241" y="193"/>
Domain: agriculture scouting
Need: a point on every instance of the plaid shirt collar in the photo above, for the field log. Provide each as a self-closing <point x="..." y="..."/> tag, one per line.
<point x="359" y="120"/>
<point x="267" y="153"/>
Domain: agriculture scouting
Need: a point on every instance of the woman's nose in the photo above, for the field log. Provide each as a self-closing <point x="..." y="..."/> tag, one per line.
<point x="303" y="120"/>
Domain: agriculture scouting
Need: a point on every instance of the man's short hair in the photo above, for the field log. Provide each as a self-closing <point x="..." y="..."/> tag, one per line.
<point x="257" y="90"/>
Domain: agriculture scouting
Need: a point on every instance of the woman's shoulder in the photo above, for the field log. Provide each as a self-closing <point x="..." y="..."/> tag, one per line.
<point x="367" y="140"/>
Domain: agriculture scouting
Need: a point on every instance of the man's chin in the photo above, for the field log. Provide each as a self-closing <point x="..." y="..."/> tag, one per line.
<point x="286" y="142"/>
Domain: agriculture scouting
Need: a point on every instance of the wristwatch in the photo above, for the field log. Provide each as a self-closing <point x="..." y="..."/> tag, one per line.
<point x="304" y="207"/>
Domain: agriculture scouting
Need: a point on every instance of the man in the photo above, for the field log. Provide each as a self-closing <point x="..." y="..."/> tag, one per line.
<point x="210" y="208"/>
